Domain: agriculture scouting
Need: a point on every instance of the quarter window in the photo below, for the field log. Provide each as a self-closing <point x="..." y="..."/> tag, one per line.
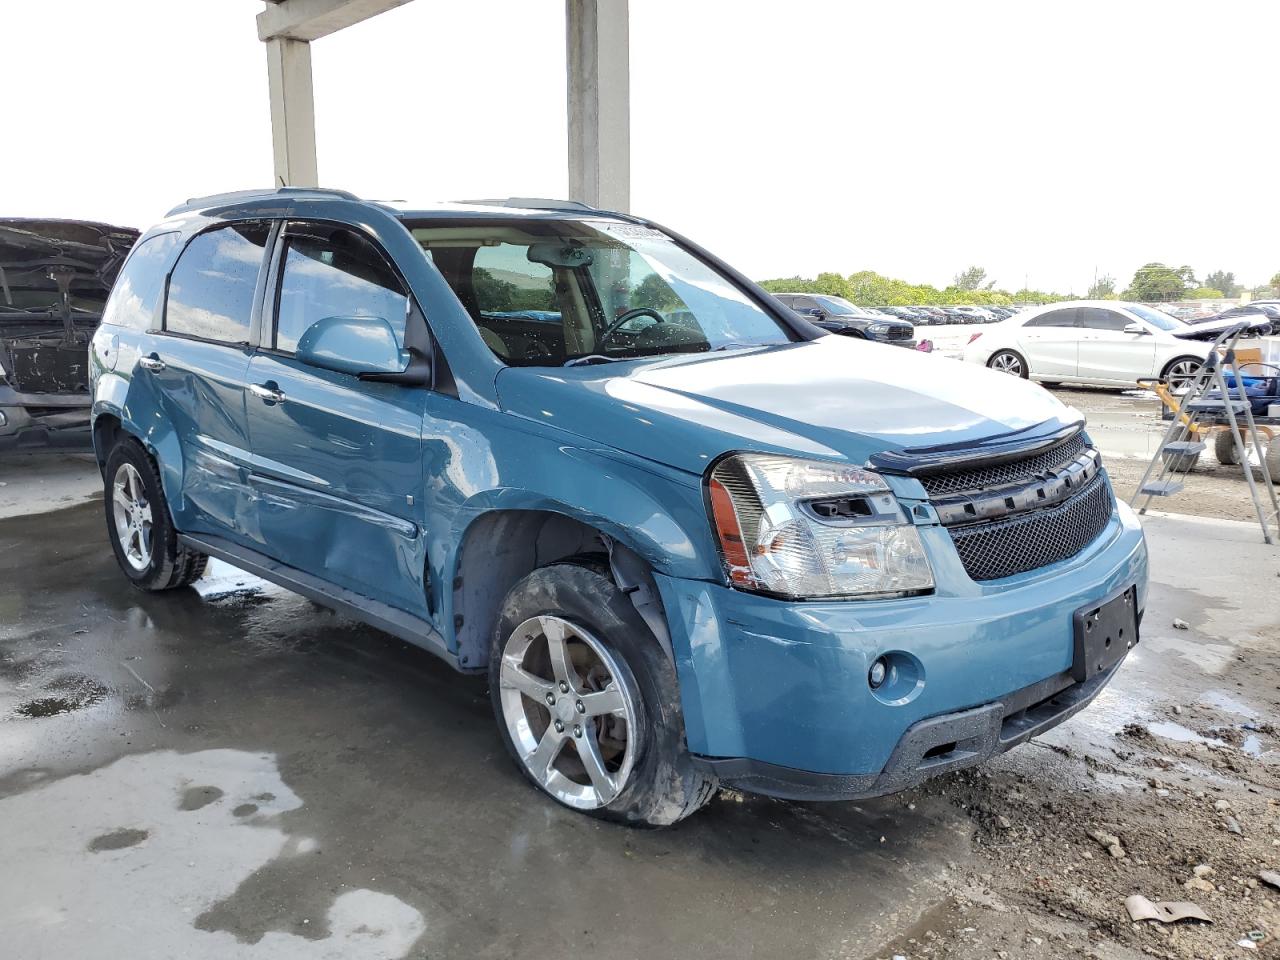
<point x="334" y="272"/>
<point x="211" y="290"/>
<point x="136" y="292"/>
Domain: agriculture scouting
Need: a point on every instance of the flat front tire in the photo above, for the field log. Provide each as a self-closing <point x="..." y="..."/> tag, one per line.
<point x="587" y="702"/>
<point x="138" y="523"/>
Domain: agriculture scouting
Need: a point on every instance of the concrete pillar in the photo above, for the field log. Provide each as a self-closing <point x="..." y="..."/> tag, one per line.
<point x="599" y="88"/>
<point x="293" y="112"/>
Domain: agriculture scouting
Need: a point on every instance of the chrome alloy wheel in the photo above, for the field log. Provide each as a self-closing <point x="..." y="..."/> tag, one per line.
<point x="1181" y="374"/>
<point x="1007" y="363"/>
<point x="132" y="514"/>
<point x="568" y="711"/>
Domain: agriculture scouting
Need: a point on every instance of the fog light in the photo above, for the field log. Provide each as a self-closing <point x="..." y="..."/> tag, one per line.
<point x="879" y="670"/>
<point x="4" y="421"/>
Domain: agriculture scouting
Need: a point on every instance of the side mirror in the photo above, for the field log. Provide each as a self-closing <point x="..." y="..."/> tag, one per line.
<point x="364" y="346"/>
<point x="1135" y="327"/>
<point x="818" y="313"/>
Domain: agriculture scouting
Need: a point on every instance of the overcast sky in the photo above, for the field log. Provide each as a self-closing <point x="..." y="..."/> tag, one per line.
<point x="1036" y="140"/>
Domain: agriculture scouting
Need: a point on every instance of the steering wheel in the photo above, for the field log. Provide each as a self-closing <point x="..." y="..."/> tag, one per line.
<point x="614" y="327"/>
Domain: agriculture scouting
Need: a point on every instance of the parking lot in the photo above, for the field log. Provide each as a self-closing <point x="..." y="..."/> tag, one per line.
<point x="271" y="779"/>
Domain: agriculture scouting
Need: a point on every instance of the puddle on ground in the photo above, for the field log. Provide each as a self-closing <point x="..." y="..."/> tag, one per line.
<point x="1252" y="745"/>
<point x="1226" y="703"/>
<point x="71" y="693"/>
<point x="1180" y="734"/>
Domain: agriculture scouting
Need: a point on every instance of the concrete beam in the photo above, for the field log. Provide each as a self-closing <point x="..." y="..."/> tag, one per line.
<point x="313" y="19"/>
<point x="599" y="89"/>
<point x="293" y="112"/>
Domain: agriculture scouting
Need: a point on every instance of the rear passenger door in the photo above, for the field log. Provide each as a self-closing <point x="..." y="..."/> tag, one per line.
<point x="196" y="364"/>
<point x="1108" y="353"/>
<point x="1050" y="342"/>
<point x="337" y="465"/>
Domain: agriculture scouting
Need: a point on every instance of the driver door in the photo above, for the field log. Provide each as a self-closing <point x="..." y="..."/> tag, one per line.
<point x="1050" y="342"/>
<point x="336" y="460"/>
<point x="1108" y="353"/>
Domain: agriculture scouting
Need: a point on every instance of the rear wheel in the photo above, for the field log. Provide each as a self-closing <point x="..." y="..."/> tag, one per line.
<point x="1273" y="460"/>
<point x="1224" y="448"/>
<point x="587" y="702"/>
<point x="1009" y="361"/>
<point x="142" y="535"/>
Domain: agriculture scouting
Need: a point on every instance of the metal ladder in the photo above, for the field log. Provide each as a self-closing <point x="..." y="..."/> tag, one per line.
<point x="1194" y="411"/>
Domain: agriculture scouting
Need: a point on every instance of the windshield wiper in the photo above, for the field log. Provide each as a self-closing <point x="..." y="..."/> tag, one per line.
<point x="587" y="359"/>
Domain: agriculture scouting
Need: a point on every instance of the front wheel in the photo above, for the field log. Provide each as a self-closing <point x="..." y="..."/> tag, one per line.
<point x="1009" y="361"/>
<point x="142" y="535"/>
<point x="587" y="702"/>
<point x="1181" y="372"/>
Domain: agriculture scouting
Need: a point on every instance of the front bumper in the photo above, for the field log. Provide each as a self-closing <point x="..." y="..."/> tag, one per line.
<point x="775" y="693"/>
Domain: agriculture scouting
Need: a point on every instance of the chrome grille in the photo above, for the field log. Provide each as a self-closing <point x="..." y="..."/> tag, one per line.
<point x="1028" y="541"/>
<point x="1018" y="471"/>
<point x="899" y="333"/>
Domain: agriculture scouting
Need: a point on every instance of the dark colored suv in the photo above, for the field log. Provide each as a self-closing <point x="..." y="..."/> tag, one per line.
<point x="840" y="316"/>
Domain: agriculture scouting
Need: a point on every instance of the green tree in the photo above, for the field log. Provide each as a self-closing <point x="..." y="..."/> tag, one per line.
<point x="1224" y="281"/>
<point x="1156" y="283"/>
<point x="1206" y="293"/>
<point x="1104" y="288"/>
<point x="1275" y="281"/>
<point x="1188" y="277"/>
<point x="972" y="279"/>
<point x="655" y="293"/>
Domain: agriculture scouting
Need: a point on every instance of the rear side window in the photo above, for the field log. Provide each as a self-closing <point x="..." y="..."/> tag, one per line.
<point x="137" y="289"/>
<point x="1054" y="318"/>
<point x="334" y="272"/>
<point x="211" y="289"/>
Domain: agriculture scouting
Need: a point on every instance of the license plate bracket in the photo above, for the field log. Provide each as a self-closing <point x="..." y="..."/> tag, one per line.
<point x="1104" y="632"/>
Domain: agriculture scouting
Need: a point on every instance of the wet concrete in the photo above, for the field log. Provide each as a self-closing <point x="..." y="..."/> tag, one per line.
<point x="245" y="763"/>
<point x="235" y="772"/>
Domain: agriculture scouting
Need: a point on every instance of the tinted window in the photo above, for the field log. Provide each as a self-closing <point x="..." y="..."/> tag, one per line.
<point x="334" y="272"/>
<point x="802" y="303"/>
<point x="137" y="288"/>
<point x="211" y="290"/>
<point x="1055" y="318"/>
<point x="1096" y="318"/>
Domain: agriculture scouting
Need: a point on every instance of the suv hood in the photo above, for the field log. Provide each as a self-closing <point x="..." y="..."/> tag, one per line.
<point x="832" y="398"/>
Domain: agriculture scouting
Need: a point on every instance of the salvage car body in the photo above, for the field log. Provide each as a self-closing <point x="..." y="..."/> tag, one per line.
<point x="54" y="278"/>
<point x="417" y="509"/>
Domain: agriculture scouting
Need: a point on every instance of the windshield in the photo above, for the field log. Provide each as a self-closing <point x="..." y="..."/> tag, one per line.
<point x="1156" y="318"/>
<point x="547" y="292"/>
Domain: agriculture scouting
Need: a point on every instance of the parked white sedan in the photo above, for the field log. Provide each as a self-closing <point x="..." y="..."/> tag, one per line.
<point x="1101" y="342"/>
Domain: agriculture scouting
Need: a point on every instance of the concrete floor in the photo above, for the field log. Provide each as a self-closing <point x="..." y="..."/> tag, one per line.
<point x="239" y="773"/>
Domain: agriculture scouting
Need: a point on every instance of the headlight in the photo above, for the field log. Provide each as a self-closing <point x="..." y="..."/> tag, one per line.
<point x="804" y="528"/>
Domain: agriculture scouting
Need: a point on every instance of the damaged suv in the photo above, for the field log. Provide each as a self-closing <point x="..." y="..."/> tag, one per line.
<point x="690" y="538"/>
<point x="54" y="278"/>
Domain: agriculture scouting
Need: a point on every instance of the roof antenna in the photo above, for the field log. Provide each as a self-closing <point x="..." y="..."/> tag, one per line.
<point x="282" y="183"/>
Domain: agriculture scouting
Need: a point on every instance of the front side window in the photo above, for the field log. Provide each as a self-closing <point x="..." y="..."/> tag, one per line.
<point x="1095" y="318"/>
<point x="547" y="292"/>
<point x="137" y="289"/>
<point x="331" y="271"/>
<point x="211" y="289"/>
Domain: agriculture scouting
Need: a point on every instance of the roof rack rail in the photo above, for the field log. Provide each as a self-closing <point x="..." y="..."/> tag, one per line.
<point x="217" y="199"/>
<point x="533" y="203"/>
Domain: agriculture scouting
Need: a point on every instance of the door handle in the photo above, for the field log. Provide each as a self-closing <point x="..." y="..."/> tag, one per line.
<point x="152" y="363"/>
<point x="267" y="392"/>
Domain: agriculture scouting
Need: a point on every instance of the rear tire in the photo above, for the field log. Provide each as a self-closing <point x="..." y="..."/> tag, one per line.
<point x="1273" y="460"/>
<point x="567" y="635"/>
<point x="139" y="525"/>
<point x="1010" y="362"/>
<point x="1224" y="448"/>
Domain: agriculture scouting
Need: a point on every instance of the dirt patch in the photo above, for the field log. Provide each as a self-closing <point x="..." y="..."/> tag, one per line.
<point x="67" y="694"/>
<point x="196" y="797"/>
<point x="1169" y="815"/>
